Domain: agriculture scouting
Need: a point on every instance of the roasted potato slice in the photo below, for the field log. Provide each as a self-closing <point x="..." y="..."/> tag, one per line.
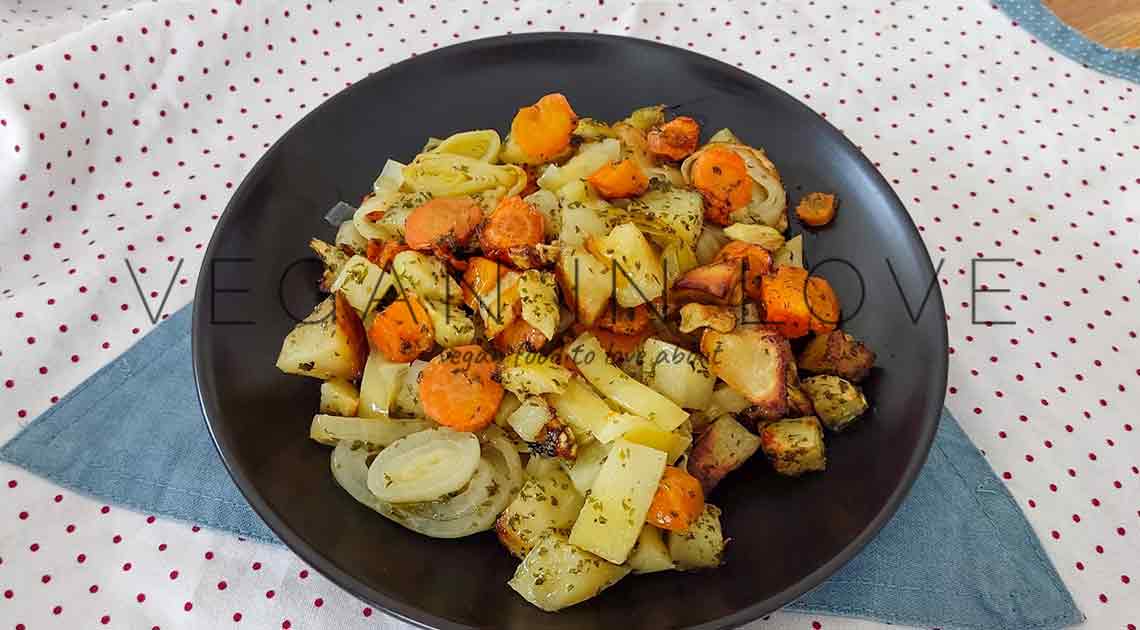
<point x="837" y="353"/>
<point x="547" y="503"/>
<point x="753" y="361"/>
<point x="586" y="283"/>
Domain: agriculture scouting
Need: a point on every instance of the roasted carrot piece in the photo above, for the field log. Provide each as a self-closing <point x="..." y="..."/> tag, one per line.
<point x="628" y="321"/>
<point x="519" y="335"/>
<point x="617" y="346"/>
<point x="619" y="179"/>
<point x="676" y="139"/>
<point x="514" y="225"/>
<point x="823" y="304"/>
<point x="458" y="388"/>
<point x="783" y="297"/>
<point x="442" y="224"/>
<point x="381" y="253"/>
<point x="678" y="502"/>
<point x="817" y="209"/>
<point x="759" y="264"/>
<point x="543" y="130"/>
<point x="722" y="178"/>
<point x="403" y="331"/>
<point x="479" y="279"/>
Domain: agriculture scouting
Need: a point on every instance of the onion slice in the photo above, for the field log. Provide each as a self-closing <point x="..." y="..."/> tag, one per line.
<point x="424" y="466"/>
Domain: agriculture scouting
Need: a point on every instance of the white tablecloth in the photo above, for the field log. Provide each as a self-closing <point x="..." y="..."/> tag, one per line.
<point x="123" y="130"/>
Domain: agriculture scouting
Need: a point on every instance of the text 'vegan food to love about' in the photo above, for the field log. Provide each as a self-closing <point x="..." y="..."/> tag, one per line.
<point x="570" y="336"/>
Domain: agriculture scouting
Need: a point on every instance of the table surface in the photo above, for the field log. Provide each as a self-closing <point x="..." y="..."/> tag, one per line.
<point x="124" y="127"/>
<point x="1113" y="23"/>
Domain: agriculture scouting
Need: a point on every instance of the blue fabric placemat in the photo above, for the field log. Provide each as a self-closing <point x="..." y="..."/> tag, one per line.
<point x="957" y="555"/>
<point x="1036" y="18"/>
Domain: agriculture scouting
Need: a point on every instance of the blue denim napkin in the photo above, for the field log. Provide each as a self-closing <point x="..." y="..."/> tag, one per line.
<point x="958" y="554"/>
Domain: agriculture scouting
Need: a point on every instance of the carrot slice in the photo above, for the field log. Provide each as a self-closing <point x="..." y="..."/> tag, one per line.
<point x="543" y="130"/>
<point x="479" y="279"/>
<point x="676" y="139"/>
<point x="403" y="331"/>
<point x="783" y="299"/>
<point x="823" y="304"/>
<point x="817" y="209"/>
<point x="678" y="502"/>
<point x="458" y="388"/>
<point x="619" y="179"/>
<point x="519" y="335"/>
<point x="513" y="224"/>
<point x="381" y="253"/>
<point x="759" y="264"/>
<point x="629" y="321"/>
<point x="442" y="224"/>
<point x="722" y="178"/>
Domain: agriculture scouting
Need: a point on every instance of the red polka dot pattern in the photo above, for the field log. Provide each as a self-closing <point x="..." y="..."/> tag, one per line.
<point x="127" y="136"/>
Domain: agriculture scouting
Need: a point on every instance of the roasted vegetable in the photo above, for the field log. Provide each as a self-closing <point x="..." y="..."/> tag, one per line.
<point x="458" y="388"/>
<point x="649" y="554"/>
<point x="374" y="432"/>
<point x="339" y="397"/>
<point x="532" y="374"/>
<point x="740" y="184"/>
<point x="755" y="265"/>
<point x="754" y="362"/>
<point x="678" y="502"/>
<point x="329" y="343"/>
<point x="837" y="403"/>
<point x="332" y="257"/>
<point x="794" y="446"/>
<point x="702" y="545"/>
<point x="695" y="316"/>
<point x="586" y="283"/>
<point x="767" y="237"/>
<point x="721" y="449"/>
<point x="404" y="330"/>
<point x="637" y="273"/>
<point x="547" y="503"/>
<point x="540" y="132"/>
<point x="837" y="353"/>
<point x="442" y="225"/>
<point x="512" y="231"/>
<point x="717" y="283"/>
<point x="816" y="209"/>
<point x="618" y="180"/>
<point x="362" y="283"/>
<point x="674" y="140"/>
<point x="618" y="501"/>
<point x="681" y="375"/>
<point x="556" y="574"/>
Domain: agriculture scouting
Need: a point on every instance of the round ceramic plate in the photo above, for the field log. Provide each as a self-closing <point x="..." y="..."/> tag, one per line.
<point x="787" y="535"/>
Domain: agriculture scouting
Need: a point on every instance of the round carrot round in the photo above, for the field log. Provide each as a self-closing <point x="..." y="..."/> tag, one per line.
<point x="619" y="179"/>
<point x="722" y="177"/>
<point x="678" y="501"/>
<point x="458" y="390"/>
<point x="676" y="139"/>
<point x="543" y="130"/>
<point x="514" y="223"/>
<point x="403" y="331"/>
<point x="816" y="209"/>
<point x="443" y="223"/>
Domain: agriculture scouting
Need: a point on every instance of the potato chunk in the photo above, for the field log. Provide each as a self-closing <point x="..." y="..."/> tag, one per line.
<point x="547" y="503"/>
<point x="837" y="353"/>
<point x="721" y="449"/>
<point x="794" y="446"/>
<point x="329" y="343"/>
<point x="837" y="403"/>
<point x="650" y="554"/>
<point x="753" y="361"/>
<point x="339" y="397"/>
<point x="556" y="574"/>
<point x="618" y="501"/>
<point x="702" y="545"/>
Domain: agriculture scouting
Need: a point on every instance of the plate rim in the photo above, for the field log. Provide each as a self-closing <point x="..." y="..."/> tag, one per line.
<point x="426" y="619"/>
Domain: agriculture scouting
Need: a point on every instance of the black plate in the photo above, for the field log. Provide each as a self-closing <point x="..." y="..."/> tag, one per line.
<point x="787" y="535"/>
